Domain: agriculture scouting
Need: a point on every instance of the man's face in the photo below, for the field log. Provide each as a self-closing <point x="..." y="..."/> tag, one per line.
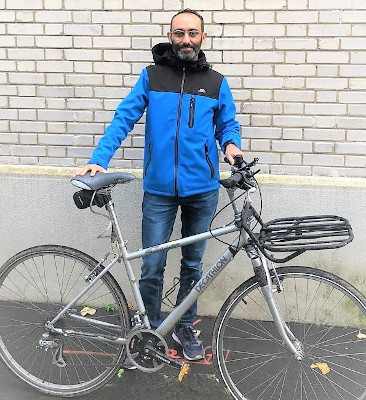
<point x="186" y="36"/>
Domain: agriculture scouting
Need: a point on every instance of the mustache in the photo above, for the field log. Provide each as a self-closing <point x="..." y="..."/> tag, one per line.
<point x="186" y="46"/>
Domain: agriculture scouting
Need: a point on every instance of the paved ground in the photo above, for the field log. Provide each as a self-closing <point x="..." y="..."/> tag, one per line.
<point x="135" y="385"/>
<point x="132" y="385"/>
<point x="201" y="383"/>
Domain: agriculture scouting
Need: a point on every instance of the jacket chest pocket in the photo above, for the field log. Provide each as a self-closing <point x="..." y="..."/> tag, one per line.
<point x="192" y="109"/>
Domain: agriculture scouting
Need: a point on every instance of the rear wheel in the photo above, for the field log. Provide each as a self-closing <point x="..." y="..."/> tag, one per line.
<point x="325" y="313"/>
<point x="35" y="285"/>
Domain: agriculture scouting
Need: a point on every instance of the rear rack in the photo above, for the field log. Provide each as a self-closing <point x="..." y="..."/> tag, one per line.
<point x="299" y="234"/>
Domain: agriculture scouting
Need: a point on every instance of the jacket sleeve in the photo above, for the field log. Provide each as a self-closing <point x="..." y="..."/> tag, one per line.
<point x="227" y="127"/>
<point x="128" y="112"/>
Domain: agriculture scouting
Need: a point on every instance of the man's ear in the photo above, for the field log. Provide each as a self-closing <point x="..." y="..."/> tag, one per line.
<point x="169" y="36"/>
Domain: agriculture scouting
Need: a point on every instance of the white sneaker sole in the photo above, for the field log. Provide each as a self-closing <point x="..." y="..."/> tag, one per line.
<point x="198" y="357"/>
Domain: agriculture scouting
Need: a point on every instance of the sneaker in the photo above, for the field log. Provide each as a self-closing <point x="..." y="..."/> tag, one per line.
<point x="192" y="346"/>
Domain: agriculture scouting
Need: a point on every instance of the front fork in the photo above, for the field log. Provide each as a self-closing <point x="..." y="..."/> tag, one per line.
<point x="261" y="270"/>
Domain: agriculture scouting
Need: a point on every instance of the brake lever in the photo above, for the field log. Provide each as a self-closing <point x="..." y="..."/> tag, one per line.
<point x="252" y="163"/>
<point x="254" y="173"/>
<point x="243" y="169"/>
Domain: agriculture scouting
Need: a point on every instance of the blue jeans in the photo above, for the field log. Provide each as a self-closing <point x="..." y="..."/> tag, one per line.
<point x="159" y="213"/>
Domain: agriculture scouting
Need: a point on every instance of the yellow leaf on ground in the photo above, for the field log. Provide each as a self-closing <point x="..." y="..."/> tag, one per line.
<point x="88" y="310"/>
<point x="183" y="371"/>
<point x="322" y="366"/>
<point x="361" y="335"/>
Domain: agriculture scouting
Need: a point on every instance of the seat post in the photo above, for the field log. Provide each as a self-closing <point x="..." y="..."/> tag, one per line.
<point x="113" y="217"/>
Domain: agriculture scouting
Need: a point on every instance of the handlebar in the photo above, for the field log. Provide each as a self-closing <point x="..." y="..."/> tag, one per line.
<point x="241" y="174"/>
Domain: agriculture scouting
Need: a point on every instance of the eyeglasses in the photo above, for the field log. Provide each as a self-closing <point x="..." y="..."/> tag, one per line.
<point x="192" y="33"/>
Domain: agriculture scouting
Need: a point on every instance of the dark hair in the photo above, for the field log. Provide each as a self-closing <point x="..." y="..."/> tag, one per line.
<point x="189" y="11"/>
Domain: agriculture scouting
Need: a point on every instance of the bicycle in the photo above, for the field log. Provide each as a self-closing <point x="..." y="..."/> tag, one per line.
<point x="288" y="332"/>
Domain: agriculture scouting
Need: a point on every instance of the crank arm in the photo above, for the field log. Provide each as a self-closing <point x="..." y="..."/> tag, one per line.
<point x="182" y="366"/>
<point x="158" y="356"/>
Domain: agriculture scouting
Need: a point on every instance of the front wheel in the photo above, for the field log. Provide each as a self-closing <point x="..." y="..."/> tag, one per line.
<point x="325" y="313"/>
<point x="35" y="285"/>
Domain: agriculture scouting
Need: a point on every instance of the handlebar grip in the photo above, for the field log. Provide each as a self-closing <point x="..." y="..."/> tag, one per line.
<point x="232" y="181"/>
<point x="238" y="161"/>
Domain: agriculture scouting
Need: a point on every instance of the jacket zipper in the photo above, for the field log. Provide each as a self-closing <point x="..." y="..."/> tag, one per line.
<point x="209" y="161"/>
<point x="148" y="160"/>
<point x="177" y="131"/>
<point x="192" y="106"/>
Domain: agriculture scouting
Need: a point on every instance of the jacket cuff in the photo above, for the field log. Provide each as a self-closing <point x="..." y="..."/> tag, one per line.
<point x="226" y="143"/>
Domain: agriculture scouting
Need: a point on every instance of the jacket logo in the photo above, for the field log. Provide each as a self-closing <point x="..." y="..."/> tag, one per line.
<point x="201" y="90"/>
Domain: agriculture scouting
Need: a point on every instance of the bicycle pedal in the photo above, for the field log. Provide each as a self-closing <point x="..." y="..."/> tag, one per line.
<point x="183" y="371"/>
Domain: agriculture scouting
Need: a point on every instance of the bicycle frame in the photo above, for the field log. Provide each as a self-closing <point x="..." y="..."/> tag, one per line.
<point x="258" y="261"/>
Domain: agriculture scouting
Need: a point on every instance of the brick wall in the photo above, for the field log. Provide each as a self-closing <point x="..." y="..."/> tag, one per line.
<point x="296" y="68"/>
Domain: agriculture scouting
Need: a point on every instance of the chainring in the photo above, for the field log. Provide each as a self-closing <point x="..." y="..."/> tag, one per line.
<point x="139" y="342"/>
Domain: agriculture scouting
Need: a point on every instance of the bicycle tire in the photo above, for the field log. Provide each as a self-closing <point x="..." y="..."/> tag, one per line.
<point x="34" y="285"/>
<point x="325" y="313"/>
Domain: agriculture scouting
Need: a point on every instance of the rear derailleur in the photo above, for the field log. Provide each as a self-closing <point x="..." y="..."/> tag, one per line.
<point x="57" y="348"/>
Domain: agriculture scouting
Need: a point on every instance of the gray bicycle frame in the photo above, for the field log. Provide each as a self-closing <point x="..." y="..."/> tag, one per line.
<point x="206" y="280"/>
<point x="201" y="285"/>
<point x="197" y="290"/>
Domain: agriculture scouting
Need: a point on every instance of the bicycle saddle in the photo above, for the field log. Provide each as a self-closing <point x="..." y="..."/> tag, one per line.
<point x="101" y="180"/>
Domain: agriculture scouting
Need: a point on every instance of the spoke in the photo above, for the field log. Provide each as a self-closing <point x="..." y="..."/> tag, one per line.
<point x="254" y="336"/>
<point x="24" y="306"/>
<point x="349" y="333"/>
<point x="268" y="382"/>
<point x="311" y="387"/>
<point x="256" y="324"/>
<point x="253" y="356"/>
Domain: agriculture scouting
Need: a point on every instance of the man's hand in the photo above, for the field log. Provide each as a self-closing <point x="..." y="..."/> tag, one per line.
<point x="231" y="151"/>
<point x="93" y="168"/>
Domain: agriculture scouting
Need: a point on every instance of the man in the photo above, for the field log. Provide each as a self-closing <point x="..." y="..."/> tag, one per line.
<point x="189" y="109"/>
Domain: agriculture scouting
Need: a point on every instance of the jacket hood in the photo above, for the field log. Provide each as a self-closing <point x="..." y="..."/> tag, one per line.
<point x="163" y="54"/>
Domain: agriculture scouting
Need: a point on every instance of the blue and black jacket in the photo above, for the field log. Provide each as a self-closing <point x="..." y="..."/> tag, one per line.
<point x="189" y="108"/>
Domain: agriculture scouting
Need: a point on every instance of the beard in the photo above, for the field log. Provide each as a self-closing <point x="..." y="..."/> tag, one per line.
<point x="187" y="56"/>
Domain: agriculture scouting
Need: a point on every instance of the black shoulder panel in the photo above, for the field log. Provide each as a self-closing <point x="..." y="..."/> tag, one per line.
<point x="203" y="83"/>
<point x="164" y="79"/>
